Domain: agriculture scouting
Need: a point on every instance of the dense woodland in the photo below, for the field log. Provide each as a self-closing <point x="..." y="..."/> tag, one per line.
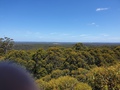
<point x="78" y="67"/>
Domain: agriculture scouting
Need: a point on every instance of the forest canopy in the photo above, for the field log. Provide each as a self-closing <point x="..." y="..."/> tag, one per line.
<point x="78" y="67"/>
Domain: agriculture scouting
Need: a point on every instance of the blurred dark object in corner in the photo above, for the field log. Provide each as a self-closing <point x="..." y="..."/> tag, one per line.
<point x="14" y="77"/>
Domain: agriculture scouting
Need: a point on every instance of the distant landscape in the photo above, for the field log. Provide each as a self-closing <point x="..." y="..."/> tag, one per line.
<point x="36" y="45"/>
<point x="66" y="66"/>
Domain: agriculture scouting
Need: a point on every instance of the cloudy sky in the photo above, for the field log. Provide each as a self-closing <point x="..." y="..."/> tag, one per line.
<point x="60" y="20"/>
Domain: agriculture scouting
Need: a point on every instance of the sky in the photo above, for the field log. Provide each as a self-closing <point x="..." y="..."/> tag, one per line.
<point x="60" y="20"/>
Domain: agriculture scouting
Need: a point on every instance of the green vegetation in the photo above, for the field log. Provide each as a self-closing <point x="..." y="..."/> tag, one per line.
<point x="6" y="44"/>
<point x="78" y="67"/>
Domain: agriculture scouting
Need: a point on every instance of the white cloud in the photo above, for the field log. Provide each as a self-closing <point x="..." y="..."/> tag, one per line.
<point x="93" y="23"/>
<point x="53" y="33"/>
<point x="65" y="34"/>
<point x="105" y="35"/>
<point x="73" y="36"/>
<point x="101" y="9"/>
<point x="83" y="35"/>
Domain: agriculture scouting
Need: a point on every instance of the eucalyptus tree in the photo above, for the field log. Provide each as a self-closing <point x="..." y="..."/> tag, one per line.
<point x="6" y="44"/>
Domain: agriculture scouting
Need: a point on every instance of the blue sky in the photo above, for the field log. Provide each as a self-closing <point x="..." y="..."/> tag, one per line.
<point x="60" y="20"/>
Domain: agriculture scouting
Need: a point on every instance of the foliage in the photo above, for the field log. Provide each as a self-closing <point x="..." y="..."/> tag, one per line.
<point x="6" y="44"/>
<point x="75" y="68"/>
<point x="102" y="78"/>
<point x="63" y="83"/>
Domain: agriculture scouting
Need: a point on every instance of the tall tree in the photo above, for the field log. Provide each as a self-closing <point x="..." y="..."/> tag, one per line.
<point x="6" y="44"/>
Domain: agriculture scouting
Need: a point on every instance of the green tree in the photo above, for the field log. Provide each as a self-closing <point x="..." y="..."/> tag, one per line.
<point x="74" y="61"/>
<point x="79" y="46"/>
<point x="6" y="44"/>
<point x="40" y="63"/>
<point x="21" y="57"/>
<point x="80" y="74"/>
<point x="42" y="85"/>
<point x="55" y="58"/>
<point x="63" y="83"/>
<point x="102" y="78"/>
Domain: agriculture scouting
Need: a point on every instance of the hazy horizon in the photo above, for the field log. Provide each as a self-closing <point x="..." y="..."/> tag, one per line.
<point x="58" y="42"/>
